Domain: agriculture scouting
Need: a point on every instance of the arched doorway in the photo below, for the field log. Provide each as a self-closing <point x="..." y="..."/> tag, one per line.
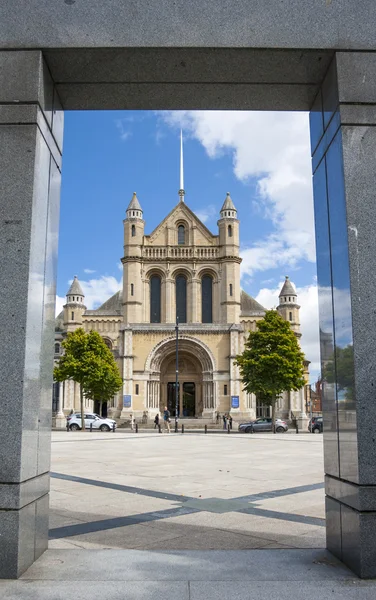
<point x="196" y="389"/>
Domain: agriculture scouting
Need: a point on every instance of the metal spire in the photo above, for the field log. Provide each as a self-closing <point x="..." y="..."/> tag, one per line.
<point x="181" y="191"/>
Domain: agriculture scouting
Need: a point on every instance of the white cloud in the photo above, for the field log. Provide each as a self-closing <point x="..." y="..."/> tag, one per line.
<point x="309" y="320"/>
<point x="89" y="271"/>
<point x="60" y="301"/>
<point x="121" y="125"/>
<point x="96" y="291"/>
<point x="274" y="149"/>
<point x="204" y="214"/>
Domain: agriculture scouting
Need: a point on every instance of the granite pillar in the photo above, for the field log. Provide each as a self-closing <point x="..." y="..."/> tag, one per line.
<point x="31" y="126"/>
<point x="343" y="136"/>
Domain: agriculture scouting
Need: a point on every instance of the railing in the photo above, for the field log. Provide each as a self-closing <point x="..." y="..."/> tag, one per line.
<point x="160" y="252"/>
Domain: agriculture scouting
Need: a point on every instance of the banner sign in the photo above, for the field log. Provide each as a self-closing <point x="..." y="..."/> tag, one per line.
<point x="234" y="401"/>
<point x="127" y="401"/>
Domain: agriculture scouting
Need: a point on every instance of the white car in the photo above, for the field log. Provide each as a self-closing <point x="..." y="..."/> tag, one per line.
<point x="97" y="422"/>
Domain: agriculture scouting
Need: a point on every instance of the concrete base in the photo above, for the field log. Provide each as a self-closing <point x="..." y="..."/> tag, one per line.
<point x="188" y="575"/>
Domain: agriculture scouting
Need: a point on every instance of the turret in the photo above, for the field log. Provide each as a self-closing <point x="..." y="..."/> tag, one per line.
<point x="134" y="227"/>
<point x="74" y="307"/>
<point x="228" y="226"/>
<point x="288" y="306"/>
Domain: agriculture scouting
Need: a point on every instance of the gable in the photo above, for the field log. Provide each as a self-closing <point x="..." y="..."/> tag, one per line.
<point x="166" y="232"/>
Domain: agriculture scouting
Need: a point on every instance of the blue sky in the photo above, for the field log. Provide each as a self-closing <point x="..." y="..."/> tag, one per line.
<point x="262" y="159"/>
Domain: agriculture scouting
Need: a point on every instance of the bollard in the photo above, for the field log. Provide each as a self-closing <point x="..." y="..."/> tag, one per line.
<point x="91" y="427"/>
<point x="228" y="429"/>
<point x="159" y="429"/>
<point x="68" y="427"/>
<point x="113" y="427"/>
<point x="182" y="428"/>
<point x="206" y="429"/>
<point x="296" y="427"/>
<point x="136" y="428"/>
<point x="176" y="426"/>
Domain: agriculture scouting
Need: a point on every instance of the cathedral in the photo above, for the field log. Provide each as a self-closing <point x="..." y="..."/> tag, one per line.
<point x="181" y="290"/>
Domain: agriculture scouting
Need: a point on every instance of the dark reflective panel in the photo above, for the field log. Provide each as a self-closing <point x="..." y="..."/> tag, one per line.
<point x="344" y="355"/>
<point x="207" y="299"/>
<point x="330" y="93"/>
<point x="155" y="299"/>
<point x="331" y="460"/>
<point x="181" y="298"/>
<point x="316" y="123"/>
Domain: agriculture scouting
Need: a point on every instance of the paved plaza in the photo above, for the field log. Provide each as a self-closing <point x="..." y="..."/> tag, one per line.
<point x="148" y="491"/>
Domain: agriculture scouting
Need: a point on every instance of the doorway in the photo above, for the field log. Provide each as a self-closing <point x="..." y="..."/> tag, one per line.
<point x="186" y="399"/>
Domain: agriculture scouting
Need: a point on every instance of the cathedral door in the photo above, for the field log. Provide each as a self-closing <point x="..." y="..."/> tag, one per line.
<point x="171" y="400"/>
<point x="189" y="399"/>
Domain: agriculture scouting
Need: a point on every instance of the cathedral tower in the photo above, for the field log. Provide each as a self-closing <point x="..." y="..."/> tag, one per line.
<point x="228" y="226"/>
<point x="288" y="306"/>
<point x="74" y="307"/>
<point x="134" y="227"/>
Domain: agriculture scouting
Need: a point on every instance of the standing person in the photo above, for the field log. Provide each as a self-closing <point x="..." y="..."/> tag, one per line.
<point x="218" y="417"/>
<point x="167" y="419"/>
<point x="230" y="421"/>
<point x="132" y="422"/>
<point x="224" y="422"/>
<point x="156" y="421"/>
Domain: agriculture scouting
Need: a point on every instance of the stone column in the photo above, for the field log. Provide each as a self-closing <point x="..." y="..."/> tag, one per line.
<point x="343" y="138"/>
<point x="60" y="421"/>
<point x="170" y="301"/>
<point x="30" y="162"/>
<point x="196" y="300"/>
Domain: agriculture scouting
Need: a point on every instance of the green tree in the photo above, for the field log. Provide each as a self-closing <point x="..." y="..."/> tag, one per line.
<point x="89" y="362"/>
<point x="272" y="361"/>
<point x="340" y="370"/>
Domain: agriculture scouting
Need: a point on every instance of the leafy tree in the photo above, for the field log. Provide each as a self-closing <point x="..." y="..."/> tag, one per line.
<point x="272" y="361"/>
<point x="340" y="370"/>
<point x="89" y="362"/>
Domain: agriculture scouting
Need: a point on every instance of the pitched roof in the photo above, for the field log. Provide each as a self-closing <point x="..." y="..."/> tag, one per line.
<point x="183" y="206"/>
<point x="75" y="288"/>
<point x="249" y="305"/>
<point x="287" y="288"/>
<point x="112" y="306"/>
<point x="59" y="321"/>
<point x="228" y="203"/>
<point x="134" y="203"/>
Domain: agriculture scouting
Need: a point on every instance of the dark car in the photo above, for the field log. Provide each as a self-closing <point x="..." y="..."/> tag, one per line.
<point x="315" y="425"/>
<point x="263" y="424"/>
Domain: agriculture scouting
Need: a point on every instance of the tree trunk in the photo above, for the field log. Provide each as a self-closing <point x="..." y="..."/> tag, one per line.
<point x="82" y="409"/>
<point x="100" y="407"/>
<point x="274" y="400"/>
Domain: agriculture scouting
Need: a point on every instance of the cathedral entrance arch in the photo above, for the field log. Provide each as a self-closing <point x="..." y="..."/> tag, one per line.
<point x="196" y="389"/>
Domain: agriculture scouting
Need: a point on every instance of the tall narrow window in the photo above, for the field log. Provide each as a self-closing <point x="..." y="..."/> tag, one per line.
<point x="137" y="389"/>
<point x="207" y="299"/>
<point x="132" y="289"/>
<point x="229" y="228"/>
<point x="155" y="299"/>
<point x="290" y="316"/>
<point x="181" y="298"/>
<point x="230" y="289"/>
<point x="57" y="348"/>
<point x="72" y="315"/>
<point x="225" y="390"/>
<point x="133" y="230"/>
<point x="181" y="235"/>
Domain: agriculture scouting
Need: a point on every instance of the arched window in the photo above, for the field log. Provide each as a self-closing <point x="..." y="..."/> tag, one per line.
<point x="290" y="316"/>
<point x="229" y="229"/>
<point x="108" y="343"/>
<point x="207" y="299"/>
<point x="133" y="230"/>
<point x="57" y="348"/>
<point x="181" y="235"/>
<point x="155" y="299"/>
<point x="181" y="298"/>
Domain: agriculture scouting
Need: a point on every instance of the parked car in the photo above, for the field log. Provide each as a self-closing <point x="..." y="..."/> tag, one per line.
<point x="263" y="424"/>
<point x="316" y="426"/>
<point x="97" y="422"/>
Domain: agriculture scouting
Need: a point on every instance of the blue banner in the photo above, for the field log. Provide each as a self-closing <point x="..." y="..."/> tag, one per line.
<point x="234" y="401"/>
<point x="127" y="401"/>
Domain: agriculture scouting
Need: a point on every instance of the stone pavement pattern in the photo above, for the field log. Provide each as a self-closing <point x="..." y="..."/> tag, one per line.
<point x="186" y="492"/>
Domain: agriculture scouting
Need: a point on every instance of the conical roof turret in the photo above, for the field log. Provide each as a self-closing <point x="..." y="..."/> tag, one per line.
<point x="287" y="288"/>
<point x="228" y="203"/>
<point x="75" y="288"/>
<point x="134" y="210"/>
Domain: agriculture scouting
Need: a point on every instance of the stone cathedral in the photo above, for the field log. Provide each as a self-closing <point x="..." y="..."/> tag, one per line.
<point x="179" y="271"/>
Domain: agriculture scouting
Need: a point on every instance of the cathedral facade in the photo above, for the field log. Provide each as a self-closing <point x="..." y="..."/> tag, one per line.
<point x="179" y="274"/>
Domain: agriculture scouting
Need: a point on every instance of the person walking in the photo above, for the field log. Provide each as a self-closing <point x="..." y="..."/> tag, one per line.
<point x="230" y="421"/>
<point x="132" y="422"/>
<point x="224" y="422"/>
<point x="156" y="421"/>
<point x="166" y="418"/>
<point x="218" y="416"/>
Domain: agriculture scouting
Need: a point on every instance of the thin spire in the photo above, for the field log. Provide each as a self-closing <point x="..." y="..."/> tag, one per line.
<point x="181" y="191"/>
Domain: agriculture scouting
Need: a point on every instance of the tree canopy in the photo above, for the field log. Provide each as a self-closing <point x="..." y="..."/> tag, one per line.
<point x="88" y="361"/>
<point x="272" y="361"/>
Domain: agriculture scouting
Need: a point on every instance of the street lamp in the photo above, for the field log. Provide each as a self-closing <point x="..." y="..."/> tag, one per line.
<point x="177" y="373"/>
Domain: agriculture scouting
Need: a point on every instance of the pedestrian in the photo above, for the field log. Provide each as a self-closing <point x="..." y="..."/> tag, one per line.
<point x="218" y="417"/>
<point x="230" y="421"/>
<point x="132" y="422"/>
<point x="166" y="419"/>
<point x="156" y="421"/>
<point x="224" y="422"/>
